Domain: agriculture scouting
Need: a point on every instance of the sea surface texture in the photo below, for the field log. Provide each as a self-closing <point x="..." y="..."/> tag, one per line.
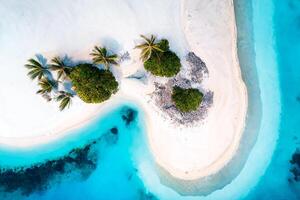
<point x="281" y="179"/>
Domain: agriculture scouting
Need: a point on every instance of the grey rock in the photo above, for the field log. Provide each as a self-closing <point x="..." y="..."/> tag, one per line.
<point x="162" y="95"/>
<point x="125" y="56"/>
<point x="198" y="69"/>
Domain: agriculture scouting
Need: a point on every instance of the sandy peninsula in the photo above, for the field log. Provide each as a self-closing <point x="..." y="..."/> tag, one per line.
<point x="205" y="27"/>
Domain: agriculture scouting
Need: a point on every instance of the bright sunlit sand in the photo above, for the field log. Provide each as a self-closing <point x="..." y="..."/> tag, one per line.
<point x="187" y="153"/>
<point x="193" y="108"/>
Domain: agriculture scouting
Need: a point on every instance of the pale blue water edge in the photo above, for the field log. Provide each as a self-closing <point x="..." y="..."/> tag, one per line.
<point x="117" y="173"/>
<point x="274" y="184"/>
<point x="75" y="138"/>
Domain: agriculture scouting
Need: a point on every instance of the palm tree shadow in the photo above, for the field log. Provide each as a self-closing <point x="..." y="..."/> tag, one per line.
<point x="43" y="62"/>
<point x="68" y="61"/>
<point x="72" y="63"/>
<point x="68" y="87"/>
<point x="42" y="59"/>
<point x="114" y="45"/>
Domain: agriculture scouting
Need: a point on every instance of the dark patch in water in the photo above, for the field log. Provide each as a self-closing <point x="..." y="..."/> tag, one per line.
<point x="129" y="115"/>
<point x="114" y="130"/>
<point x="298" y="98"/>
<point x="295" y="137"/>
<point x="111" y="137"/>
<point x="143" y="195"/>
<point x="295" y="168"/>
<point x="36" y="178"/>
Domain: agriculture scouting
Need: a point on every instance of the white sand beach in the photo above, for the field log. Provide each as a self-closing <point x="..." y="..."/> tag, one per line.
<point x="56" y="27"/>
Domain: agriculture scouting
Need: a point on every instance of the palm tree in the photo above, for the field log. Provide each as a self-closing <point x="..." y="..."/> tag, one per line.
<point x="149" y="47"/>
<point x="62" y="69"/>
<point x="46" y="86"/>
<point x="36" y="69"/>
<point x="101" y="56"/>
<point x="65" y="99"/>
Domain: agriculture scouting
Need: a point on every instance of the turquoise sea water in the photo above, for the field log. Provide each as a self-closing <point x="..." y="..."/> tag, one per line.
<point x="274" y="183"/>
<point x="116" y="147"/>
<point x="124" y="167"/>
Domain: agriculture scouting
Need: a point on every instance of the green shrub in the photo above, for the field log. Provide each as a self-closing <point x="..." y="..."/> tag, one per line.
<point x="186" y="100"/>
<point x="164" y="45"/>
<point x="167" y="64"/>
<point x="93" y="85"/>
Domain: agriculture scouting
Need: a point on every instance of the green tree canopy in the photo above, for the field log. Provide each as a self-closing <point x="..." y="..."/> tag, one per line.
<point x="148" y="48"/>
<point x="93" y="85"/>
<point x="165" y="63"/>
<point x="186" y="100"/>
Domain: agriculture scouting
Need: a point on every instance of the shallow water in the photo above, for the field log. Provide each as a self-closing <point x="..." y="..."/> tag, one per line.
<point x="274" y="184"/>
<point x="114" y="151"/>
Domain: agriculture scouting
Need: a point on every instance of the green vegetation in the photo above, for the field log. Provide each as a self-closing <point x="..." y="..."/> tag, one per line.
<point x="164" y="45"/>
<point x="36" y="69"/>
<point x="91" y="84"/>
<point x="157" y="57"/>
<point x="60" y="67"/>
<point x="186" y="100"/>
<point x="101" y="56"/>
<point x="65" y="99"/>
<point x="47" y="86"/>
<point x="148" y="48"/>
<point x="167" y="64"/>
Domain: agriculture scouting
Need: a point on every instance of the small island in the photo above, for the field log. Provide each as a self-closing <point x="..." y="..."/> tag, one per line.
<point x="96" y="85"/>
<point x="173" y="63"/>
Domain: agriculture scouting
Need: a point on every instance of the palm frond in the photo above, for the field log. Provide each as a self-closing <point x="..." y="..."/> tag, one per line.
<point x="149" y="47"/>
<point x="101" y="56"/>
<point x="156" y="47"/>
<point x="65" y="102"/>
<point x="60" y="67"/>
<point x="65" y="99"/>
<point x="146" y="39"/>
<point x="36" y="69"/>
<point x="46" y="86"/>
<point x="34" y="62"/>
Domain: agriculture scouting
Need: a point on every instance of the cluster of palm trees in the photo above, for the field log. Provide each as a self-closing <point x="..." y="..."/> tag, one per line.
<point x="49" y="86"/>
<point x="149" y="47"/>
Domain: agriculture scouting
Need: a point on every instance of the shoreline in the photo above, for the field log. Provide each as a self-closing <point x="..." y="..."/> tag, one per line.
<point x="28" y="142"/>
<point x="220" y="157"/>
<point x="245" y="47"/>
<point x="229" y="152"/>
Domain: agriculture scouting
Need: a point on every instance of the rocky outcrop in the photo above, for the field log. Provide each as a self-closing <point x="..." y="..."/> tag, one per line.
<point x="194" y="75"/>
<point x="198" y="69"/>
